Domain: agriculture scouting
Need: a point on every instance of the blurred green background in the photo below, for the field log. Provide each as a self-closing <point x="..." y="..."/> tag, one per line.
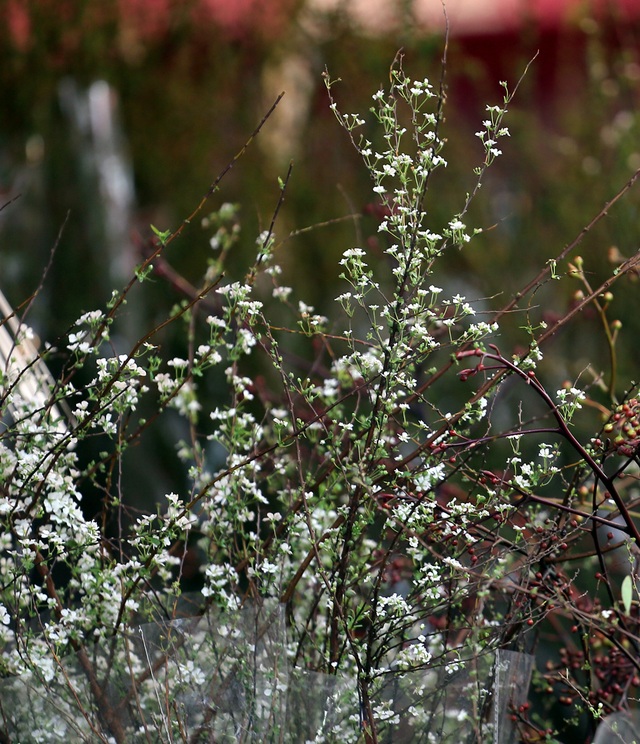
<point x="185" y="83"/>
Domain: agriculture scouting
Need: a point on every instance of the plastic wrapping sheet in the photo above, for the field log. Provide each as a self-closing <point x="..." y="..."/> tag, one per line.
<point x="228" y="678"/>
<point x="619" y="728"/>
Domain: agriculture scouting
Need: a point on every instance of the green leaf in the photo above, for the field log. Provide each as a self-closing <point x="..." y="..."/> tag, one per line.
<point x="142" y="272"/>
<point x="162" y="235"/>
<point x="627" y="593"/>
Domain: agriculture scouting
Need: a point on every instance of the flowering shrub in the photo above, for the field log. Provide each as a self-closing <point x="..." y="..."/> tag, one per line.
<point x="362" y="531"/>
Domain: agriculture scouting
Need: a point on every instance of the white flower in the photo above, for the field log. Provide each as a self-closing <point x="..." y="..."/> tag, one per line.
<point x="281" y="293"/>
<point x="178" y="363"/>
